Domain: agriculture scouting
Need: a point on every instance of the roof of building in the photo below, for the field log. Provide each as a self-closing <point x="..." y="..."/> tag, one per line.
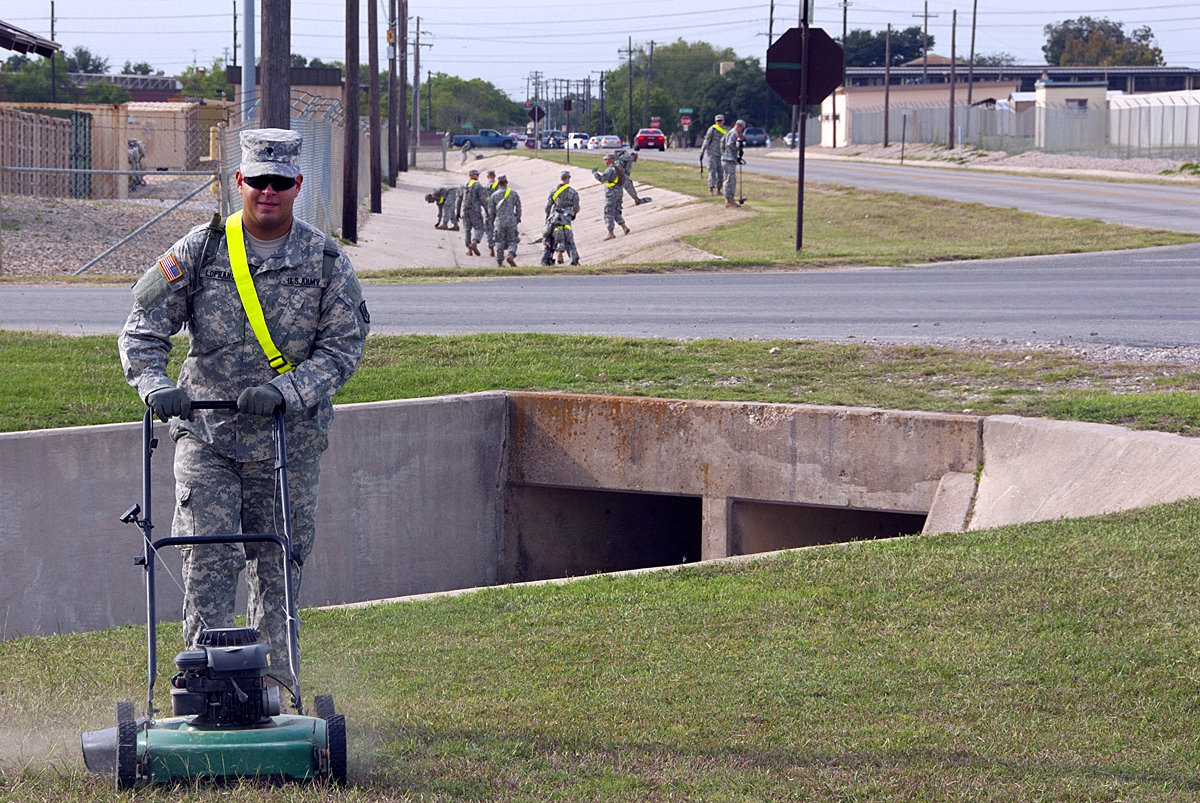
<point x="22" y="41"/>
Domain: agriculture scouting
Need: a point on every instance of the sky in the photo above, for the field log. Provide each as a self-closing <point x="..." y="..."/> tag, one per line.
<point x="510" y="42"/>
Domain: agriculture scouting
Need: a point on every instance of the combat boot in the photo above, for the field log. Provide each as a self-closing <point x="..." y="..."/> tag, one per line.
<point x="475" y="249"/>
<point x="626" y="228"/>
<point x="491" y="251"/>
<point x="729" y="203"/>
<point x="470" y="253"/>
<point x="512" y="262"/>
<point x="560" y="257"/>
<point x="610" y="236"/>
<point x="454" y="227"/>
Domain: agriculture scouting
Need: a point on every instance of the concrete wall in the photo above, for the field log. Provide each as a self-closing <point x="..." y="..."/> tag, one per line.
<point x="454" y="492"/>
<point x="410" y="500"/>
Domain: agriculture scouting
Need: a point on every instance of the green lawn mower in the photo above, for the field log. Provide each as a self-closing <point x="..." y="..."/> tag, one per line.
<point x="228" y="719"/>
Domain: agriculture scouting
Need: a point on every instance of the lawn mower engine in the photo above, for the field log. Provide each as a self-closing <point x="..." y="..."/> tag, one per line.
<point x="222" y="682"/>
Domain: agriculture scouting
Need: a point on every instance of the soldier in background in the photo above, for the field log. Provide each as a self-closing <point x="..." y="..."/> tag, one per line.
<point x="611" y="179"/>
<point x="731" y="157"/>
<point x="489" y="225"/>
<point x="472" y="209"/>
<point x="710" y="152"/>
<point x="562" y="207"/>
<point x="505" y="207"/>
<point x="625" y="162"/>
<point x="446" y="199"/>
<point x="316" y="323"/>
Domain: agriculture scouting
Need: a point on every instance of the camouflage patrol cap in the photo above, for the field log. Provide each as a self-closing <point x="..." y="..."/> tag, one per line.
<point x="491" y="173"/>
<point x="474" y="171"/>
<point x="608" y="157"/>
<point x="502" y="179"/>
<point x="720" y="118"/>
<point x="565" y="175"/>
<point x="270" y="152"/>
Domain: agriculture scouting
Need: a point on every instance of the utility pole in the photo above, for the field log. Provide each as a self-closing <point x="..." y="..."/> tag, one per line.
<point x="277" y="63"/>
<point x="603" y="113"/>
<point x="416" y="92"/>
<point x="646" y="100"/>
<point x="249" y="77"/>
<point x="402" y="101"/>
<point x="373" y="103"/>
<point x="350" y="100"/>
<point x="887" y="81"/>
<point x="234" y="32"/>
<point x="953" y="61"/>
<point x="971" y="61"/>
<point x="53" y="58"/>
<point x="628" y="51"/>
<point x="845" y="4"/>
<point x="393" y="112"/>
<point x="925" y="43"/>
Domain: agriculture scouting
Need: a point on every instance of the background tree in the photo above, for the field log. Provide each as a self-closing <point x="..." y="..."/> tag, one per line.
<point x="30" y="80"/>
<point x="83" y="60"/>
<point x="201" y="82"/>
<point x="103" y="92"/>
<point x="997" y="59"/>
<point x="467" y="105"/>
<point x="141" y="68"/>
<point x="866" y="49"/>
<point x="1089" y="42"/>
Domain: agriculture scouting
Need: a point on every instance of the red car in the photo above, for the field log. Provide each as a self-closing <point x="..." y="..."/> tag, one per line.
<point x="649" y="138"/>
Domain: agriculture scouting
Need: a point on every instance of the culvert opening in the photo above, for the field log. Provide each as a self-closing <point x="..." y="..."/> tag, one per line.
<point x="767" y="526"/>
<point x="567" y="532"/>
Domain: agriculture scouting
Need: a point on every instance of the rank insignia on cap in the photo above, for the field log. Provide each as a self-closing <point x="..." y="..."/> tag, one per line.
<point x="169" y="267"/>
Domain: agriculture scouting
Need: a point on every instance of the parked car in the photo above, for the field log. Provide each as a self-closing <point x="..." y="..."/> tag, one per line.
<point x="756" y="138"/>
<point x="790" y="138"/>
<point x="649" y="138"/>
<point x="594" y="143"/>
<point x="577" y="139"/>
<point x="609" y="142"/>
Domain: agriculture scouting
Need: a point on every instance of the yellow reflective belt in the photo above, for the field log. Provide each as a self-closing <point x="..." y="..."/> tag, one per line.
<point x="614" y="182"/>
<point x="507" y="190"/>
<point x="722" y="130"/>
<point x="248" y="295"/>
<point x="558" y="192"/>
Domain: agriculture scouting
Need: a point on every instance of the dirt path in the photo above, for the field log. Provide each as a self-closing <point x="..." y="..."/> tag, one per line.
<point x="403" y="236"/>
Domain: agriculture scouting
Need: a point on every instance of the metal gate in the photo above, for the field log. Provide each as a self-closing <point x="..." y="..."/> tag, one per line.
<point x="81" y="154"/>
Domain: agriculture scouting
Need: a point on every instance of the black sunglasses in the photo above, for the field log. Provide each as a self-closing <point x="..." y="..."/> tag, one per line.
<point x="277" y="183"/>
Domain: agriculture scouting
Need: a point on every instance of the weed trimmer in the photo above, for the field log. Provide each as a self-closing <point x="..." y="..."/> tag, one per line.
<point x="228" y="721"/>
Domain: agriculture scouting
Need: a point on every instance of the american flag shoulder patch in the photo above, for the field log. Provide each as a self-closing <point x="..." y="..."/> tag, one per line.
<point x="169" y="267"/>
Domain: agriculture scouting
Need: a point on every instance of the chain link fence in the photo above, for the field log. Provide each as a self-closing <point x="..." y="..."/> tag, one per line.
<point x="82" y="191"/>
<point x="1130" y="128"/>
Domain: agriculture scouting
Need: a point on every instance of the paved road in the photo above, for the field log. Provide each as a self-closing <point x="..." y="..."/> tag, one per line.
<point x="1150" y="205"/>
<point x="1144" y="298"/>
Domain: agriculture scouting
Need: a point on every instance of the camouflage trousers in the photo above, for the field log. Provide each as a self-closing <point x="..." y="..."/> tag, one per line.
<point x="448" y="213"/>
<point x="507" y="238"/>
<point x="730" y="177"/>
<point x="612" y="208"/>
<point x="473" y="230"/>
<point x="715" y="171"/>
<point x="217" y="495"/>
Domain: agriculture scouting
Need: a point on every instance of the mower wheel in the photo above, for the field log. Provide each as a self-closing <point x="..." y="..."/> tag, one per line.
<point x="125" y="710"/>
<point x="323" y="705"/>
<point x="335" y="729"/>
<point x="126" y="774"/>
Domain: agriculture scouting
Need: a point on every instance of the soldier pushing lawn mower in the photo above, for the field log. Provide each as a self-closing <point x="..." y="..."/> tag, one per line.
<point x="263" y="365"/>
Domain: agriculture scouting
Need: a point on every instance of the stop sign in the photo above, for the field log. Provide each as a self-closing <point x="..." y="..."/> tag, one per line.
<point x="825" y="65"/>
<point x="685" y="121"/>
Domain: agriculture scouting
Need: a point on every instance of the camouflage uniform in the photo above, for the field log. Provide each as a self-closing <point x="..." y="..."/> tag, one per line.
<point x="710" y="151"/>
<point x="624" y="163"/>
<point x="473" y="200"/>
<point x="447" y="203"/>
<point x="224" y="460"/>
<point x="504" y="206"/>
<point x="730" y="156"/>
<point x="489" y="223"/>
<point x="562" y="207"/>
<point x="611" y="179"/>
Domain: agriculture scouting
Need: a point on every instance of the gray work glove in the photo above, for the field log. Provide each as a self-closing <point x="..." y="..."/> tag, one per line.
<point x="260" y="400"/>
<point x="170" y="402"/>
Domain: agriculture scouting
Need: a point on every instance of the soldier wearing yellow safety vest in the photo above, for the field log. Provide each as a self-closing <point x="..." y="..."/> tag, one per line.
<point x="276" y="320"/>
<point x="710" y="153"/>
<point x="611" y="178"/>
<point x="504" y="208"/>
<point x="562" y="207"/>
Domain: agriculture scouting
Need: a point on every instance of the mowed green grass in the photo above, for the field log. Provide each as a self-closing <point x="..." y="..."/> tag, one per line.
<point x="1054" y="661"/>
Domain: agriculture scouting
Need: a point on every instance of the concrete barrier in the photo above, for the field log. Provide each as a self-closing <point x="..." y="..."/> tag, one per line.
<point x="454" y="492"/>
